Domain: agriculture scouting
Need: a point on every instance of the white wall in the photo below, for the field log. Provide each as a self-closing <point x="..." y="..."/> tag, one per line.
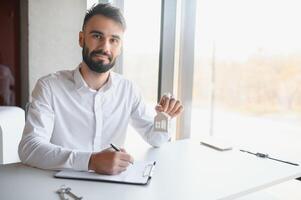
<point x="53" y="36"/>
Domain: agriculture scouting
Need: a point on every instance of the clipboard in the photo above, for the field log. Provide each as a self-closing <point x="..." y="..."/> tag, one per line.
<point x="139" y="173"/>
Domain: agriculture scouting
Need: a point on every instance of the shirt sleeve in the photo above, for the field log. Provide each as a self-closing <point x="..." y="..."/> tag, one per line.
<point x="35" y="148"/>
<point x="143" y="121"/>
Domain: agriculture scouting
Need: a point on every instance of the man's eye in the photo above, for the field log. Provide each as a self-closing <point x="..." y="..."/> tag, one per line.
<point x="114" y="40"/>
<point x="97" y="36"/>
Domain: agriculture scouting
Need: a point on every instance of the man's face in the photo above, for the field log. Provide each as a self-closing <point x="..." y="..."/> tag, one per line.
<point x="101" y="41"/>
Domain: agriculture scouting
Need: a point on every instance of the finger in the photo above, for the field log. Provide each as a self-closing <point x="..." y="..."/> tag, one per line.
<point x="109" y="149"/>
<point x="159" y="108"/>
<point x="181" y="108"/>
<point x="165" y="103"/>
<point x="132" y="160"/>
<point x="162" y="100"/>
<point x="175" y="107"/>
<point x="126" y="157"/>
<point x="172" y="103"/>
<point x="123" y="164"/>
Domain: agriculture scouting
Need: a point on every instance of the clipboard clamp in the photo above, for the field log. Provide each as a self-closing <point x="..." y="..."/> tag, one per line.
<point x="148" y="170"/>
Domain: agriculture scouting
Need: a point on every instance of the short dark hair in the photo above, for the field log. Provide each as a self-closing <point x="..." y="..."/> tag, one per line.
<point x="107" y="10"/>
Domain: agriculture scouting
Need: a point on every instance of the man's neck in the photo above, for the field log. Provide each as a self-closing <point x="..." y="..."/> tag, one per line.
<point x="94" y="80"/>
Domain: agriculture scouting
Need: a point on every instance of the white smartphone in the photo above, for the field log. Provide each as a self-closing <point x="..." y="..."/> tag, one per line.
<point x="217" y="144"/>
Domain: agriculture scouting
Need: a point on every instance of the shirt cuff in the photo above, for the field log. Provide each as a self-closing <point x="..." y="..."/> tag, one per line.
<point x="81" y="160"/>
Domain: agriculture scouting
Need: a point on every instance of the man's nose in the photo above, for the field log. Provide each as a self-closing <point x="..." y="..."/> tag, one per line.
<point x="105" y="46"/>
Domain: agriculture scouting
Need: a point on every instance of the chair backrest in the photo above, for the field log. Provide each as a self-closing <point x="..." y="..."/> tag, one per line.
<point x="12" y="121"/>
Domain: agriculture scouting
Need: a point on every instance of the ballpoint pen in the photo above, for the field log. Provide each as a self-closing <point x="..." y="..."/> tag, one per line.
<point x="263" y="155"/>
<point x="114" y="147"/>
<point x="117" y="149"/>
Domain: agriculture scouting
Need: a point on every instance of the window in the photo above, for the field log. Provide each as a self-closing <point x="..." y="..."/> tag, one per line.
<point x="247" y="77"/>
<point x="141" y="46"/>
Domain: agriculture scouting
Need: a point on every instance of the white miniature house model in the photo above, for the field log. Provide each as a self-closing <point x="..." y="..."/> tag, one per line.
<point x="161" y="122"/>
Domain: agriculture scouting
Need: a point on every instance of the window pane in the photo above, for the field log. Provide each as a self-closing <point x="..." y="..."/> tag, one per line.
<point x="141" y="45"/>
<point x="248" y="66"/>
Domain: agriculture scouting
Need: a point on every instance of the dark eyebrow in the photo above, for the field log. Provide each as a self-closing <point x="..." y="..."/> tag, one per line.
<point x="116" y="37"/>
<point x="101" y="33"/>
<point x="98" y="32"/>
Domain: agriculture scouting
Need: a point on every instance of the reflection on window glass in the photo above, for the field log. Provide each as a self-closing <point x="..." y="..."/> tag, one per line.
<point x="248" y="68"/>
<point x="141" y="46"/>
<point x="7" y="82"/>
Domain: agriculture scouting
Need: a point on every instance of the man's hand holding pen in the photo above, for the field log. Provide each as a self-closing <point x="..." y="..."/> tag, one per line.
<point x="110" y="161"/>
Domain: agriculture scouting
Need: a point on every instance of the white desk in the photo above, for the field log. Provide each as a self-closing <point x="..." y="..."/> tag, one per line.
<point x="184" y="170"/>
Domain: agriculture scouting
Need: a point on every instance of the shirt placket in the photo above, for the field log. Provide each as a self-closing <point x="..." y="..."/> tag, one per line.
<point x="98" y="113"/>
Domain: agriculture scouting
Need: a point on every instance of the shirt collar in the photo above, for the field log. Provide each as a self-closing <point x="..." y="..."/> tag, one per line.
<point x="81" y="84"/>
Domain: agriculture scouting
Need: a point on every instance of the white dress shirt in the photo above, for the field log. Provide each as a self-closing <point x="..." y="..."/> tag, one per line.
<point x="67" y="120"/>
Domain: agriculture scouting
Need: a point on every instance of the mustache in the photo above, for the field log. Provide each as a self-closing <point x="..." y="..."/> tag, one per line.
<point x="100" y="52"/>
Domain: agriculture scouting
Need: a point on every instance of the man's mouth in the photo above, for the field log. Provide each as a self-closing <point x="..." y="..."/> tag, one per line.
<point x="105" y="58"/>
<point x="101" y="56"/>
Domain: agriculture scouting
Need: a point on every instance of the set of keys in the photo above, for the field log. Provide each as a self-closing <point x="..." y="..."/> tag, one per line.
<point x="67" y="191"/>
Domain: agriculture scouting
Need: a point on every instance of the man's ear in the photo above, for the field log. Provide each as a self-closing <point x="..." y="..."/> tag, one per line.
<point x="81" y="38"/>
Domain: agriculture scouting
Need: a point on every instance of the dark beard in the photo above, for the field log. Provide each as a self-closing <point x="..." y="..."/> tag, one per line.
<point x="97" y="66"/>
